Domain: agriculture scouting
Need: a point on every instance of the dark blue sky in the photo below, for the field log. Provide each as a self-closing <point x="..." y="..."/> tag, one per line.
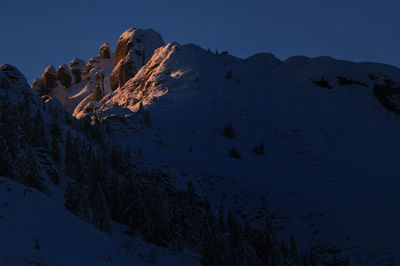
<point x="35" y="34"/>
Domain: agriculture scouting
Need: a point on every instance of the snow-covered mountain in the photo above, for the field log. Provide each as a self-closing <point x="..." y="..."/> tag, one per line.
<point x="184" y="151"/>
<point x="151" y="213"/>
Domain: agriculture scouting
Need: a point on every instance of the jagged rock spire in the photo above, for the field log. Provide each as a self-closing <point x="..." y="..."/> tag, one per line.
<point x="76" y="66"/>
<point x="105" y="51"/>
<point x="64" y="75"/>
<point x="99" y="89"/>
<point x="135" y="47"/>
<point x="49" y="78"/>
<point x="89" y="66"/>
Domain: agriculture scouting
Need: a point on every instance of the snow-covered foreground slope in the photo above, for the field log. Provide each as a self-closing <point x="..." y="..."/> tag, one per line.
<point x="36" y="230"/>
<point x="331" y="156"/>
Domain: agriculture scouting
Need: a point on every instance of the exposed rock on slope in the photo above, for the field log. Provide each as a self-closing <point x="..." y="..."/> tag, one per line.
<point x="49" y="78"/>
<point x="102" y="86"/>
<point x="105" y="51"/>
<point x="64" y="75"/>
<point x="135" y="47"/>
<point x="76" y="66"/>
<point x="74" y="85"/>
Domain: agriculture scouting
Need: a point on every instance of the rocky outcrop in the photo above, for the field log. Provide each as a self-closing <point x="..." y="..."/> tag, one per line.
<point x="37" y="86"/>
<point x="89" y="66"/>
<point x="99" y="89"/>
<point x="91" y="82"/>
<point x="76" y="66"/>
<point x="134" y="49"/>
<point x="64" y="75"/>
<point x="125" y="70"/>
<point x="49" y="78"/>
<point x="105" y="51"/>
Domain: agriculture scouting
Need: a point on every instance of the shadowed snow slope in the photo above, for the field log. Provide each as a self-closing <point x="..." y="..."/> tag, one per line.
<point x="30" y="236"/>
<point x="331" y="150"/>
<point x="328" y="130"/>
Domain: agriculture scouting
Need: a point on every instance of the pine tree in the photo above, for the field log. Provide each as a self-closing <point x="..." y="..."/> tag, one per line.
<point x="229" y="132"/>
<point x="24" y="110"/>
<point x="73" y="157"/>
<point x="38" y="132"/>
<point x="147" y="118"/>
<point x="76" y="200"/>
<point x="233" y="153"/>
<point x="6" y="166"/>
<point x="229" y="74"/>
<point x="293" y="251"/>
<point x="235" y="240"/>
<point x="9" y="128"/>
<point x="101" y="211"/>
<point x="55" y="129"/>
<point x="70" y="202"/>
<point x="284" y="250"/>
<point x="30" y="171"/>
<point x="55" y="150"/>
<point x="221" y="220"/>
<point x="259" y="150"/>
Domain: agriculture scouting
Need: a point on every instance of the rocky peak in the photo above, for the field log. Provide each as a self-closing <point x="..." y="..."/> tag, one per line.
<point x="76" y="66"/>
<point x="49" y="78"/>
<point x="64" y="75"/>
<point x="104" y="61"/>
<point x="105" y="51"/>
<point x="135" y="47"/>
<point x="89" y="66"/>
<point x="100" y="84"/>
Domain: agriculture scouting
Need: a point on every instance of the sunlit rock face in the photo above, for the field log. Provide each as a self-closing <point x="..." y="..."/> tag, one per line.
<point x="64" y="75"/>
<point x="76" y="66"/>
<point x="89" y="66"/>
<point x="135" y="47"/>
<point x="49" y="78"/>
<point x="102" y="86"/>
<point x="80" y="84"/>
<point x="104" y="61"/>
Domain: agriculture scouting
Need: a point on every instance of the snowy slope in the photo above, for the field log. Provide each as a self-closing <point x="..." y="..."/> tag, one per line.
<point x="329" y="130"/>
<point x="35" y="226"/>
<point x="36" y="230"/>
<point x="78" y="166"/>
<point x="330" y="167"/>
